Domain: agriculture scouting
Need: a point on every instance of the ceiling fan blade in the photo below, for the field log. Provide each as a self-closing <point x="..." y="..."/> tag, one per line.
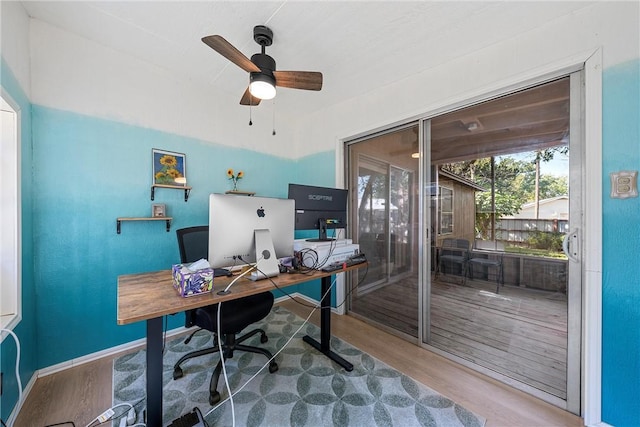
<point x="308" y="80"/>
<point x="248" y="99"/>
<point x="226" y="49"/>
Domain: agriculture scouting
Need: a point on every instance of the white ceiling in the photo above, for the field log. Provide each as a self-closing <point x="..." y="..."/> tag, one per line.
<point x="357" y="45"/>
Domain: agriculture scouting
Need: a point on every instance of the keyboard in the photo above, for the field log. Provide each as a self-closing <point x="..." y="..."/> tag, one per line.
<point x="219" y="272"/>
<point x="351" y="261"/>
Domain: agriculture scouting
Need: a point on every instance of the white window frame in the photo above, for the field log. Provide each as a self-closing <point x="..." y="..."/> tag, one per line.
<point x="441" y="212"/>
<point x="10" y="216"/>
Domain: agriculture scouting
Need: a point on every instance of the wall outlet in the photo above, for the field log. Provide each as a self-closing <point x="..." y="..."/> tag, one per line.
<point x="624" y="184"/>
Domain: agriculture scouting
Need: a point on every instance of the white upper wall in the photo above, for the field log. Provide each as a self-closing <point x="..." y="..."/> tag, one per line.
<point x="75" y="74"/>
<point x="14" y="41"/>
<point x="72" y="73"/>
<point x="612" y="26"/>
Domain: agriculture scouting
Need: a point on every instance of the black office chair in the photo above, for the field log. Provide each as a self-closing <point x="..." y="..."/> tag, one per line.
<point x="236" y="315"/>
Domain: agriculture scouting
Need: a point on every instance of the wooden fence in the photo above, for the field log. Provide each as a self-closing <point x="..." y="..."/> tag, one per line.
<point x="520" y="230"/>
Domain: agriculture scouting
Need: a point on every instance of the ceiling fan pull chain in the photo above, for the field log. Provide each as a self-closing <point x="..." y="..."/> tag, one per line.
<point x="274" y="118"/>
<point x="250" y="102"/>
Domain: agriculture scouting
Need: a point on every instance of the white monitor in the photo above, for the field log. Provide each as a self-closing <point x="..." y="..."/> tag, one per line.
<point x="237" y="226"/>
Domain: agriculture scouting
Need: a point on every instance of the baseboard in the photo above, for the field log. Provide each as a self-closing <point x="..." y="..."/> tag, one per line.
<point x="306" y="298"/>
<point x="296" y="295"/>
<point x="79" y="361"/>
<point x="101" y="354"/>
<point x="137" y="343"/>
<point x="18" y="406"/>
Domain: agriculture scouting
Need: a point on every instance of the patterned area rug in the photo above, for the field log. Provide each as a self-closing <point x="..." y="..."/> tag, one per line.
<point x="307" y="390"/>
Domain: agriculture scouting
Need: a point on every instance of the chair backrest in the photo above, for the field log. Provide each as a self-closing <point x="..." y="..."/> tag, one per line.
<point x="450" y="243"/>
<point x="488" y="245"/>
<point x="193" y="243"/>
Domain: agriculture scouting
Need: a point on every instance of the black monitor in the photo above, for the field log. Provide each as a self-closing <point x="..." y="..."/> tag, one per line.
<point x="319" y="208"/>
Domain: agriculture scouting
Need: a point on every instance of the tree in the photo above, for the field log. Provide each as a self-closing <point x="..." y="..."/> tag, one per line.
<point x="544" y="156"/>
<point x="516" y="182"/>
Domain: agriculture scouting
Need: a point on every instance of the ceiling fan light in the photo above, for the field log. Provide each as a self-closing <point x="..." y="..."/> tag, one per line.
<point x="262" y="86"/>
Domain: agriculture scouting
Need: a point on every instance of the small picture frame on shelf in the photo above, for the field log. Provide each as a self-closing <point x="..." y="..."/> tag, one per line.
<point x="158" y="210"/>
<point x="169" y="168"/>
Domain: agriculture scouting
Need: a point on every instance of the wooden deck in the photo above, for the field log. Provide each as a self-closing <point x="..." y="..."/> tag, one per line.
<point x="520" y="333"/>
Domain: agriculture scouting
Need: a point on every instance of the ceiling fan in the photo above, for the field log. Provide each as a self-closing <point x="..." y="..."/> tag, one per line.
<point x="263" y="76"/>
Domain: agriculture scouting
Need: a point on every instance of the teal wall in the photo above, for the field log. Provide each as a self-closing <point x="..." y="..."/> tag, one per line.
<point x="26" y="329"/>
<point x="88" y="172"/>
<point x="621" y="249"/>
<point x="317" y="169"/>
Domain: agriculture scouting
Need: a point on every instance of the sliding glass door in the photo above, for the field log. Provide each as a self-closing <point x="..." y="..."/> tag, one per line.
<point x="506" y="180"/>
<point x="384" y="217"/>
<point x="501" y="182"/>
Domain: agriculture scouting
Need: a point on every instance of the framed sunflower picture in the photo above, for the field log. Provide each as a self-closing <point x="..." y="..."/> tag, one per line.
<point x="169" y="168"/>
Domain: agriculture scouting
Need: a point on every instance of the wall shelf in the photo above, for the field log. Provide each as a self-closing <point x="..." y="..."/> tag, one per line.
<point x="160" y="218"/>
<point x="187" y="190"/>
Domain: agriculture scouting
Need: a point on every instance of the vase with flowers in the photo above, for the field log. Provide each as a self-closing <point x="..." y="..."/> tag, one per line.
<point x="234" y="177"/>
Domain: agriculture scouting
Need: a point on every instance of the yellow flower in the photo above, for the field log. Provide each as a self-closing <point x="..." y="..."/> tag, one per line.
<point x="174" y="173"/>
<point x="240" y="175"/>
<point x="230" y="173"/>
<point x="167" y="160"/>
<point x="159" y="175"/>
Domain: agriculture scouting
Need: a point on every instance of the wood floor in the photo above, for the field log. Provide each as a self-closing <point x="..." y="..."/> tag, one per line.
<point x="520" y="333"/>
<point x="81" y="393"/>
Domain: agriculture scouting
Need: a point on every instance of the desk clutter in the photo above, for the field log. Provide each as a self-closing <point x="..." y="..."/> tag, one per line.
<point x="192" y="279"/>
<point x="343" y="265"/>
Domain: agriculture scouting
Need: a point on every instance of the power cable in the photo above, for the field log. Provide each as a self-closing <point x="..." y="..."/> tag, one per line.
<point x="230" y="397"/>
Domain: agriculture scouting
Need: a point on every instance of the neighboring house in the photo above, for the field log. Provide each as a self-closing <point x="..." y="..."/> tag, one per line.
<point x="553" y="216"/>
<point x="552" y="208"/>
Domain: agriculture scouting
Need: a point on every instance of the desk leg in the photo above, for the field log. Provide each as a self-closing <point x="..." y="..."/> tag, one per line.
<point x="154" y="372"/>
<point x="324" y="346"/>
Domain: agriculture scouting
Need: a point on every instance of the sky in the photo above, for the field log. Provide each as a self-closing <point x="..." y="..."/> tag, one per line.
<point x="559" y="166"/>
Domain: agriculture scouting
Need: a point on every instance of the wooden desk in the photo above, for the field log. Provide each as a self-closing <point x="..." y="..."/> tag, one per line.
<point x="150" y="296"/>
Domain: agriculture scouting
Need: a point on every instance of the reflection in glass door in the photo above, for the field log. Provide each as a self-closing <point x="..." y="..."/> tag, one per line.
<point x="373" y="225"/>
<point x="383" y="172"/>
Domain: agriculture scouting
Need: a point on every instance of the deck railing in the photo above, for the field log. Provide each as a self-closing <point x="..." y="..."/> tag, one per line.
<point x="532" y="272"/>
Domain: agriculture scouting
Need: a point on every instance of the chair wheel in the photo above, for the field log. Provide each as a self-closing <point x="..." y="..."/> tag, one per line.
<point x="177" y="373"/>
<point x="214" y="398"/>
<point x="264" y="338"/>
<point x="273" y="367"/>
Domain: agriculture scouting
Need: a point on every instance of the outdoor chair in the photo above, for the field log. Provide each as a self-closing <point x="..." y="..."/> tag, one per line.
<point x="489" y="261"/>
<point x="453" y="255"/>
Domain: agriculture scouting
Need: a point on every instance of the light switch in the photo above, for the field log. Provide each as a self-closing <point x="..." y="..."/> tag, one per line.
<point x="624" y="184"/>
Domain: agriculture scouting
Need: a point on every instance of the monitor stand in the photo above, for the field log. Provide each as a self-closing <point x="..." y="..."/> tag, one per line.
<point x="322" y="232"/>
<point x="266" y="260"/>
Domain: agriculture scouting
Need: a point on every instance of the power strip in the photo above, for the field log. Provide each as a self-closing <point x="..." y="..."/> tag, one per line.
<point x="191" y="419"/>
